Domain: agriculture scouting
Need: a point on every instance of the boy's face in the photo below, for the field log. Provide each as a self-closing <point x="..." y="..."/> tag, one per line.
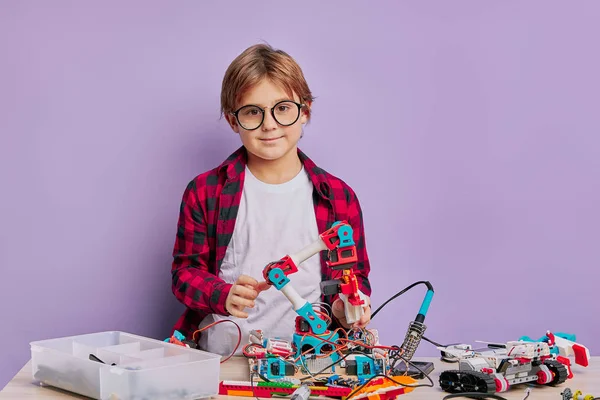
<point x="271" y="140"/>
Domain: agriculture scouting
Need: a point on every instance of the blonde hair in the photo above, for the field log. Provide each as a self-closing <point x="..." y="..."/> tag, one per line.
<point x="256" y="63"/>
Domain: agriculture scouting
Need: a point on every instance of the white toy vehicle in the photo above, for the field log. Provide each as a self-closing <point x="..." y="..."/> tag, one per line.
<point x="498" y="367"/>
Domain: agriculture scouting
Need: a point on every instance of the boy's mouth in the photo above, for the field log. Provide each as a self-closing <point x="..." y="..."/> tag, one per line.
<point x="270" y="139"/>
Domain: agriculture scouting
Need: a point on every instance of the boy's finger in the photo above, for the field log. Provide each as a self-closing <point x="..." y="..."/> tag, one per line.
<point x="262" y="286"/>
<point x="339" y="313"/>
<point x="237" y="313"/>
<point x="363" y="321"/>
<point x="338" y="307"/>
<point x="240" y="301"/>
<point x="247" y="280"/>
<point x="366" y="317"/>
<point x="245" y="291"/>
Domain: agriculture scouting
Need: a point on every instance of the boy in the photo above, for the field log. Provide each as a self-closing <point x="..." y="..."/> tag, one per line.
<point x="267" y="200"/>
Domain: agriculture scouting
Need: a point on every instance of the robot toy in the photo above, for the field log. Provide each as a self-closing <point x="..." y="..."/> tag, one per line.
<point x="501" y="365"/>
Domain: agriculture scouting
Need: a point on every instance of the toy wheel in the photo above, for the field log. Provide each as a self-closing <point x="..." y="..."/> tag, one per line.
<point x="501" y="385"/>
<point x="544" y="377"/>
<point x="559" y="372"/>
<point x="449" y="381"/>
<point x="456" y="381"/>
<point x="468" y="383"/>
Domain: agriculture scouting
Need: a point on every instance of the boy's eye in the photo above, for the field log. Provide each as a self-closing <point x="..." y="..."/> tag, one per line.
<point x="251" y="112"/>
<point x="283" y="108"/>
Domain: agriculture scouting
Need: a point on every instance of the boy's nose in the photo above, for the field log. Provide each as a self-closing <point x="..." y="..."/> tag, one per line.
<point x="269" y="123"/>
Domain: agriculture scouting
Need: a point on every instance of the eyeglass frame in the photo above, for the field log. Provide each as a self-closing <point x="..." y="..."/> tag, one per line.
<point x="263" y="111"/>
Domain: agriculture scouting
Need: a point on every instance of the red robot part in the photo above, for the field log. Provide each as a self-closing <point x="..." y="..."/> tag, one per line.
<point x="349" y="287"/>
<point x="331" y="237"/>
<point x="342" y="258"/>
<point x="286" y="264"/>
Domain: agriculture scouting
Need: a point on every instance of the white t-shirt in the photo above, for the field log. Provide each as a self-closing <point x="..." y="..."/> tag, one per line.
<point x="272" y="221"/>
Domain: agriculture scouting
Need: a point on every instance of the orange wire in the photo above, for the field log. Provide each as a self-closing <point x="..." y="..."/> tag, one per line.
<point x="337" y="348"/>
<point x="218" y="322"/>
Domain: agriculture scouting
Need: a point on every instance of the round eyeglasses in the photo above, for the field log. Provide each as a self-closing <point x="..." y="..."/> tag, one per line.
<point x="285" y="113"/>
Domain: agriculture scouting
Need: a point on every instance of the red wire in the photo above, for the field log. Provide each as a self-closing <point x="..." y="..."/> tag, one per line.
<point x="218" y="322"/>
<point x="248" y="346"/>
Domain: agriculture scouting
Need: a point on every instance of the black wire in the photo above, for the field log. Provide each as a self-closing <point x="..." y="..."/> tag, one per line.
<point x="393" y="380"/>
<point x="447" y="359"/>
<point x="434" y="343"/>
<point x="431" y="384"/>
<point x="420" y="370"/>
<point x="395" y="355"/>
<point x="474" y="395"/>
<point x="427" y="284"/>
<point x="261" y="376"/>
<point x="399" y="294"/>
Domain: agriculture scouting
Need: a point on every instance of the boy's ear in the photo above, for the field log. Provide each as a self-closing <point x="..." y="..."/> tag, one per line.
<point x="232" y="122"/>
<point x="305" y="112"/>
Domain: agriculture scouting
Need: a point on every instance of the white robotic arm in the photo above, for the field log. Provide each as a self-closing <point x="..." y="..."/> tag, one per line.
<point x="342" y="255"/>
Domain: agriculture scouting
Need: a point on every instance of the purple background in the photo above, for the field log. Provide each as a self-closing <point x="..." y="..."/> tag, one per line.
<point x="469" y="129"/>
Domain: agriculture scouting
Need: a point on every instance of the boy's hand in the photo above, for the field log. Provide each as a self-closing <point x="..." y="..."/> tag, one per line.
<point x="340" y="314"/>
<point x="242" y="294"/>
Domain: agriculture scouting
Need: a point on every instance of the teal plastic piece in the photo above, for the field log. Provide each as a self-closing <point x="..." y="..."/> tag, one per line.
<point x="307" y="312"/>
<point x="317" y="344"/>
<point x="178" y="335"/>
<point x="278" y="278"/>
<point x="569" y="336"/>
<point x="345" y="234"/>
<point x="545" y="338"/>
<point x="366" y="367"/>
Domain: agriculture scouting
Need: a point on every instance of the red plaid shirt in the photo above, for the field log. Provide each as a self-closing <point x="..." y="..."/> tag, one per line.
<point x="205" y="227"/>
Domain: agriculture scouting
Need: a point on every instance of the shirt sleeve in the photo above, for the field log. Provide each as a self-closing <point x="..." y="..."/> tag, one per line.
<point x="193" y="283"/>
<point x="363" y="265"/>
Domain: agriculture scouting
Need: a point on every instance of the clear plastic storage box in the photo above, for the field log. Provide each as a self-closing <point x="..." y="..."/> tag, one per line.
<point x="144" y="368"/>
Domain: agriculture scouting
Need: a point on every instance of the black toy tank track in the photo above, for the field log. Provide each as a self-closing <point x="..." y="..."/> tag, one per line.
<point x="558" y="370"/>
<point x="455" y="381"/>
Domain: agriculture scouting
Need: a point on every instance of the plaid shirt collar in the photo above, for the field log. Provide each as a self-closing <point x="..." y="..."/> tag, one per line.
<point x="236" y="163"/>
